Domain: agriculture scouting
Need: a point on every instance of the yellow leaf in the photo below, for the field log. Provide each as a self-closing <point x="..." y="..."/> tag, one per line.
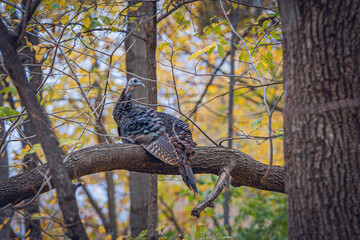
<point x="1" y="226"/>
<point x="27" y="233"/>
<point x="197" y="227"/>
<point x="38" y="57"/>
<point x="198" y="53"/>
<point x="64" y="19"/>
<point x="28" y="43"/>
<point x="120" y="238"/>
<point x="53" y="201"/>
<point x="101" y="230"/>
<point x="16" y="229"/>
<point x="108" y="237"/>
<point x="36" y="48"/>
<point x="26" y="149"/>
<point x="86" y="21"/>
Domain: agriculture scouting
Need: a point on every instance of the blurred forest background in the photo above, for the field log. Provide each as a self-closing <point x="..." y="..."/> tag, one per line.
<point x="74" y="52"/>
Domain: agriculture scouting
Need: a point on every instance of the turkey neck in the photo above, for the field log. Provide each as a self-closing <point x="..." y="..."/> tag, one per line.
<point x="123" y="105"/>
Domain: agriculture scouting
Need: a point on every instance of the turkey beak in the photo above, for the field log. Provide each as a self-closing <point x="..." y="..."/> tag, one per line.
<point x="141" y="84"/>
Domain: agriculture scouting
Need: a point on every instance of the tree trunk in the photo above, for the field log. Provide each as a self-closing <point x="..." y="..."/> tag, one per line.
<point x="150" y="31"/>
<point x="140" y="60"/>
<point x="322" y="118"/>
<point x="49" y="143"/>
<point x="4" y="174"/>
<point x="235" y="19"/>
<point x="32" y="224"/>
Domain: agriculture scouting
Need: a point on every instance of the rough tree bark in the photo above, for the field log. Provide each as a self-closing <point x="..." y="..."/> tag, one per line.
<point x="6" y="214"/>
<point x="106" y="157"/>
<point x="235" y="19"/>
<point x="32" y="224"/>
<point x="140" y="61"/>
<point x="150" y="32"/>
<point x="322" y="117"/>
<point x="53" y="153"/>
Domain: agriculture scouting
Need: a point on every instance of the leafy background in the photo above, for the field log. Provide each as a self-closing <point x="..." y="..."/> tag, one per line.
<point x="82" y="45"/>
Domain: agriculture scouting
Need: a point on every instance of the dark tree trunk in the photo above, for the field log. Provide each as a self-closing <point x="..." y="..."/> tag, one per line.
<point x="32" y="224"/>
<point x="322" y="118"/>
<point x="235" y="19"/>
<point x="150" y="31"/>
<point x="4" y="174"/>
<point x="49" y="143"/>
<point x="140" y="60"/>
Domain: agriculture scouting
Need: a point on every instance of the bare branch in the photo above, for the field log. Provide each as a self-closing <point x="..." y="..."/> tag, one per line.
<point x="176" y="7"/>
<point x="209" y="200"/>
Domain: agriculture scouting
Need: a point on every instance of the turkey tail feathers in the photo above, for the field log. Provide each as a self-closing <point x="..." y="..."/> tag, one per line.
<point x="188" y="177"/>
<point x="162" y="149"/>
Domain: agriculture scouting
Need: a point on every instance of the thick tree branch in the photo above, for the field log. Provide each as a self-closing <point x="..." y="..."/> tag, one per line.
<point x="244" y="170"/>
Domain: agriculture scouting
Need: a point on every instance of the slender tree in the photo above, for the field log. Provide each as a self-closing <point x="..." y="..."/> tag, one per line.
<point x="6" y="214"/>
<point x="140" y="61"/>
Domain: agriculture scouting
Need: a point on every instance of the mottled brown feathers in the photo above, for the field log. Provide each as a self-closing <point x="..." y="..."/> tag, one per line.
<point x="162" y="135"/>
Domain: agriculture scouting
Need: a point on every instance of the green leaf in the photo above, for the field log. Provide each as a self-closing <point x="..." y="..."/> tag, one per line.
<point x="209" y="30"/>
<point x="270" y="56"/>
<point x="105" y="20"/>
<point x="223" y="42"/>
<point x="36" y="216"/>
<point x="281" y="131"/>
<point x="260" y="66"/>
<point x="141" y="235"/>
<point x="257" y="122"/>
<point x="243" y="56"/>
<point x="67" y="141"/>
<point x="211" y="50"/>
<point x="84" y="41"/>
<point x="8" y="112"/>
<point x="12" y="10"/>
<point x="217" y="29"/>
<point x="221" y="50"/>
<point x="55" y="6"/>
<point x="5" y="90"/>
<point x="161" y="227"/>
<point x="35" y="148"/>
<point x="13" y="90"/>
<point x="94" y="22"/>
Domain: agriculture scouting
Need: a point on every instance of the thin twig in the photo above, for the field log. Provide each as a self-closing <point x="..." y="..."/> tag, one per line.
<point x="264" y="89"/>
<point x="173" y="77"/>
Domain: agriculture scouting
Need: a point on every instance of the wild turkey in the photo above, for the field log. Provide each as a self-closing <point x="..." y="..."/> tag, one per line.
<point x="162" y="135"/>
